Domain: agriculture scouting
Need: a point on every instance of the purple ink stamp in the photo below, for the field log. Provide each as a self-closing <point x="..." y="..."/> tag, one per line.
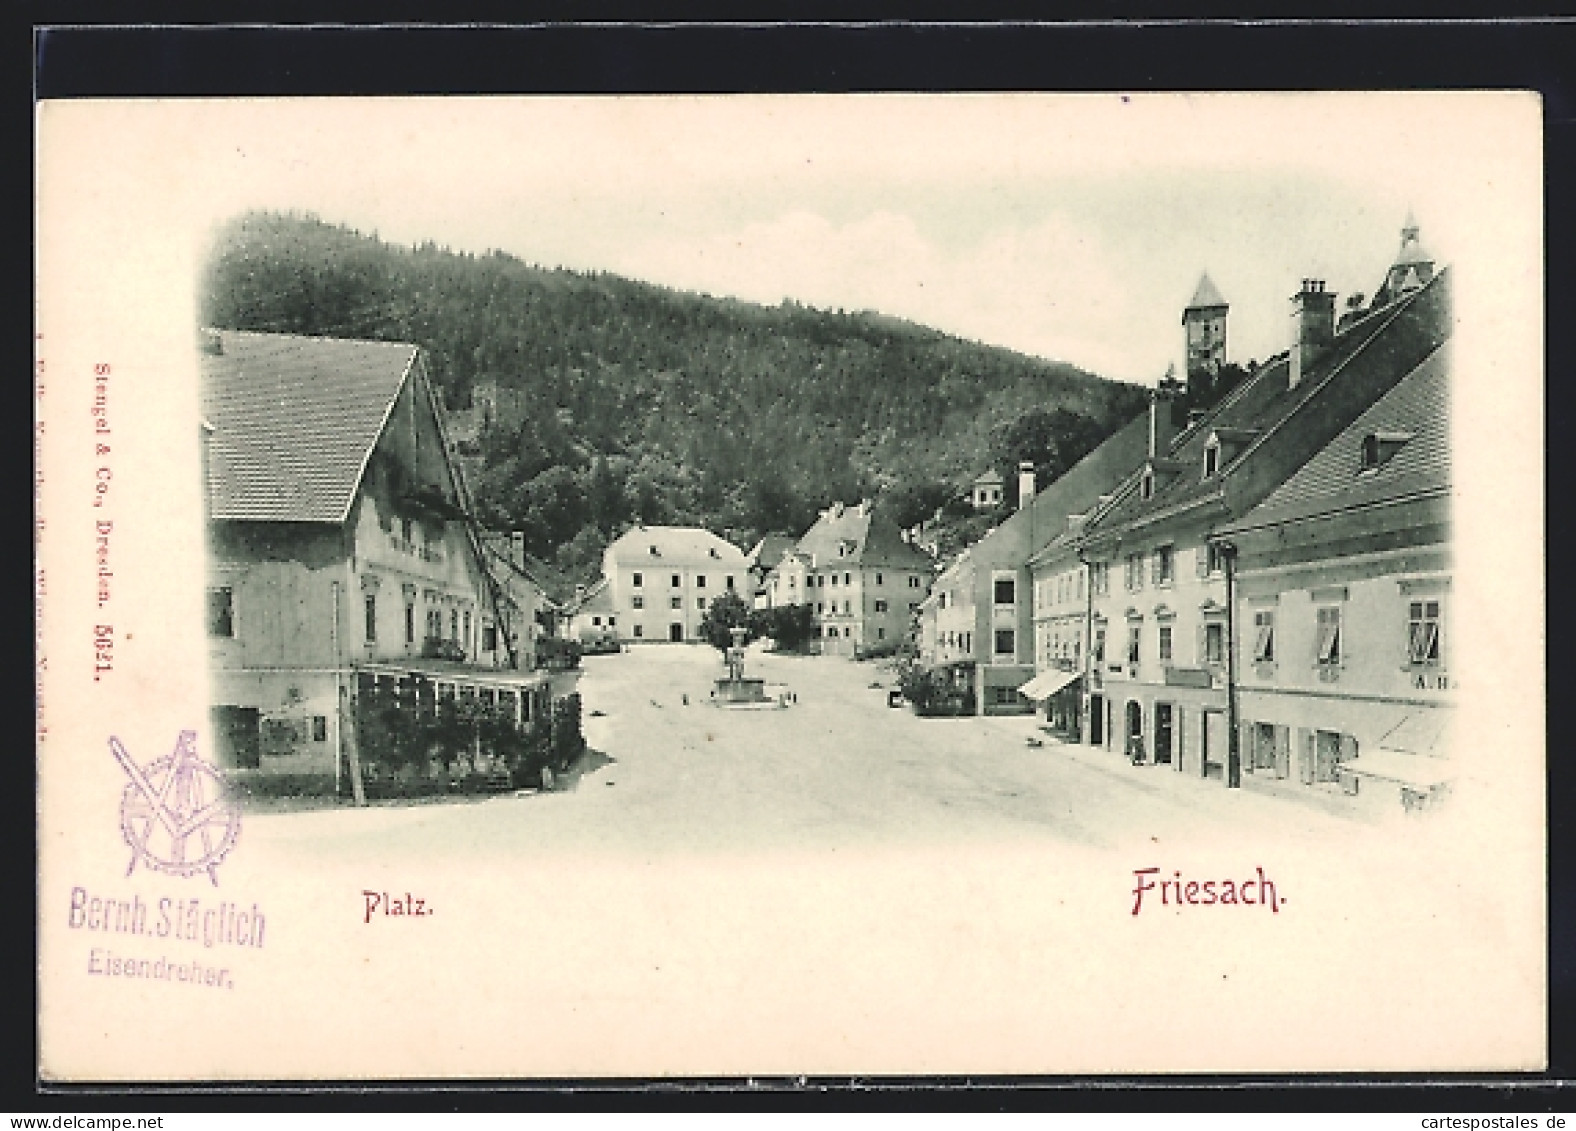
<point x="174" y="814"/>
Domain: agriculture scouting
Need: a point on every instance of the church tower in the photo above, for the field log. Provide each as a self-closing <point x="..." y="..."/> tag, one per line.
<point x="1204" y="329"/>
<point x="1412" y="269"/>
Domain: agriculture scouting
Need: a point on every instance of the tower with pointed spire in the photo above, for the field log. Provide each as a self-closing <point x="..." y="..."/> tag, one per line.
<point x="1413" y="267"/>
<point x="1204" y="329"/>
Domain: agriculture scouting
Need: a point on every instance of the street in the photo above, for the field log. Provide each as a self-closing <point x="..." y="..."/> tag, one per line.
<point x="834" y="886"/>
<point x="837" y="769"/>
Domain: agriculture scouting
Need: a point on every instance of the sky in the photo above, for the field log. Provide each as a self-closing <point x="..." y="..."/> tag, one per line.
<point x="1071" y="227"/>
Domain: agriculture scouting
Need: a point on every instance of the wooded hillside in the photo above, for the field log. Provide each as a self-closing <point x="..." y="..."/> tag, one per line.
<point x="642" y="402"/>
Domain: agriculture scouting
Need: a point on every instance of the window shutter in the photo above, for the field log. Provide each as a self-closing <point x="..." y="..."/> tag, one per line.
<point x="1201" y="560"/>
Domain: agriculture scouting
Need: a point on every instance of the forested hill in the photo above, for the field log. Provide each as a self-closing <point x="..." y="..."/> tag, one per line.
<point x="634" y="401"/>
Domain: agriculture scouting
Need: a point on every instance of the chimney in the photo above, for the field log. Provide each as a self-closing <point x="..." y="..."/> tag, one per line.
<point x="1025" y="483"/>
<point x="1162" y="422"/>
<point x="517" y="547"/>
<point x="1313" y="325"/>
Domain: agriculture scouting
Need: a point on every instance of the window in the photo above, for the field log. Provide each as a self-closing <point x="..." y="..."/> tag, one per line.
<point x="913" y="582"/>
<point x="847" y="631"/>
<point x="638" y="581"/>
<point x="881" y="606"/>
<point x="489" y="638"/>
<point x="1005" y="645"/>
<point x="1004" y="590"/>
<point x="818" y="608"/>
<point x="640" y="630"/>
<point x="1264" y="637"/>
<point x="675" y="602"/>
<point x="878" y="579"/>
<point x="848" y="606"/>
<point x="1327" y="650"/>
<point x="1134" y="572"/>
<point x="913" y="606"/>
<point x="371" y="615"/>
<point x="880" y="634"/>
<point x="637" y="601"/>
<point x="1146" y="485"/>
<point x="1210" y="560"/>
<point x="700" y="581"/>
<point x="1099" y="578"/>
<point x="221" y="612"/>
<point x="596" y="621"/>
<point x="727" y="582"/>
<point x="700" y="602"/>
<point x="848" y="579"/>
<point x="1165" y="643"/>
<point x="834" y="579"/>
<point x="410" y="623"/>
<point x="454" y="624"/>
<point x="319" y="728"/>
<point x="677" y="581"/>
<point x="1135" y="639"/>
<point x="467" y="635"/>
<point x="1211" y="457"/>
<point x="1165" y="565"/>
<point x="1423" y="632"/>
<point x="1099" y="645"/>
<point x="406" y="533"/>
<point x="1214" y="642"/>
<point x="611" y="621"/>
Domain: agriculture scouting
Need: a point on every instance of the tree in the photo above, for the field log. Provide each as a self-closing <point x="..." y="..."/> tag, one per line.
<point x="723" y="615"/>
<point x="1053" y="439"/>
<point x="789" y="625"/>
<point x="912" y="502"/>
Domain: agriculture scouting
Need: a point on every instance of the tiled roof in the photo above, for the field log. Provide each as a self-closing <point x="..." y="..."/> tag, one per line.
<point x="676" y="546"/>
<point x="770" y="550"/>
<point x="1371" y="354"/>
<point x="294" y="420"/>
<point x="1417" y="408"/>
<point x="597" y="599"/>
<point x="1074" y="492"/>
<point x="867" y="538"/>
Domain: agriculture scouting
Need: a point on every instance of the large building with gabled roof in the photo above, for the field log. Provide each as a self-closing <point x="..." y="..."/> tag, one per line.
<point x="662" y="579"/>
<point x="343" y="554"/>
<point x="863" y="582"/>
<point x="1160" y="689"/>
<point x="1344" y="637"/>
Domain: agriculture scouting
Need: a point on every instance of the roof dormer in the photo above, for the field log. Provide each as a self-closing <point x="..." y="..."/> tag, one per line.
<point x="1379" y="448"/>
<point x="1225" y="445"/>
<point x="1156" y="474"/>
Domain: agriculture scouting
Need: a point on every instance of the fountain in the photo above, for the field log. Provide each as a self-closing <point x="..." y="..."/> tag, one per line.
<point x="735" y="689"/>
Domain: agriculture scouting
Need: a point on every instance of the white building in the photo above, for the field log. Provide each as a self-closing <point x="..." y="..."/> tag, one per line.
<point x="661" y="580"/>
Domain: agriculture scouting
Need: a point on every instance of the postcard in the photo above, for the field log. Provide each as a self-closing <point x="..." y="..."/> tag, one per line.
<point x="790" y="585"/>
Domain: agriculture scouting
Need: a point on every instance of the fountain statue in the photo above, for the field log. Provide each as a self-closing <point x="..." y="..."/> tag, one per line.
<point x="735" y="688"/>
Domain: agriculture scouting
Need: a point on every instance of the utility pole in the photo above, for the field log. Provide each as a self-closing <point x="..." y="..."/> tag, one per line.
<point x="1233" y="746"/>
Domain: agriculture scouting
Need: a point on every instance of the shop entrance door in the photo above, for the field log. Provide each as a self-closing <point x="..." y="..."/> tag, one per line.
<point x="1163" y="732"/>
<point x="1097" y="720"/>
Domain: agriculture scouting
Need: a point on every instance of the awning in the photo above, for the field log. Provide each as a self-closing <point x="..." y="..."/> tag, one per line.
<point x="1421" y="732"/>
<point x="1407" y="769"/>
<point x="1046" y="684"/>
